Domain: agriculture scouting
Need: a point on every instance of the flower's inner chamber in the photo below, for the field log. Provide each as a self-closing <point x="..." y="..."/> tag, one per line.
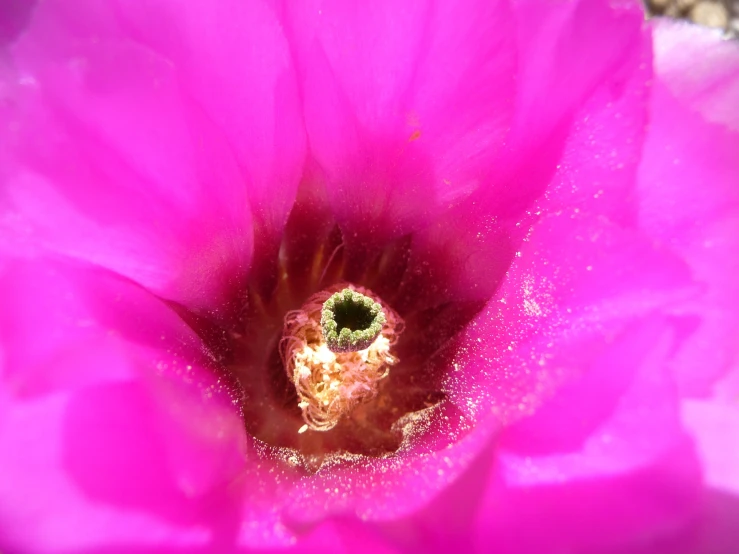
<point x="315" y="400"/>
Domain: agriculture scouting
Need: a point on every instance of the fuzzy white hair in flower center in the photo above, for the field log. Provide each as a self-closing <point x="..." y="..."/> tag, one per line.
<point x="329" y="383"/>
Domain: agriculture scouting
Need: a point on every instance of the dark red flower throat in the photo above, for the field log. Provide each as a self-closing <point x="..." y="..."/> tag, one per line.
<point x="314" y="255"/>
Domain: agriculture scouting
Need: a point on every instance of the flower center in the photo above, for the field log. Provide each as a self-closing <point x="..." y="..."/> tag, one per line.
<point x="368" y="402"/>
<point x="336" y="349"/>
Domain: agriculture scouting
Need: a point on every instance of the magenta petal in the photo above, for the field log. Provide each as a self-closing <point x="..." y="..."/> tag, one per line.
<point x="709" y="83"/>
<point x="535" y="505"/>
<point x="14" y="15"/>
<point x="605" y="462"/>
<point x="346" y="535"/>
<point x="447" y="522"/>
<point x="409" y="103"/>
<point x="384" y="490"/>
<point x="109" y="162"/>
<point x="568" y="53"/>
<point x="577" y="411"/>
<point x="689" y="199"/>
<point x="284" y="504"/>
<point x="531" y="163"/>
<point x="711" y="422"/>
<point x="235" y="62"/>
<point x="597" y="168"/>
<point x="113" y="428"/>
<point x="570" y="291"/>
<point x="713" y="532"/>
<point x="465" y="252"/>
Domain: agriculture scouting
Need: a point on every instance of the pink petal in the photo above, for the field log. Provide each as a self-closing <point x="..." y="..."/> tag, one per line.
<point x="114" y="428"/>
<point x="234" y="60"/>
<point x="466" y="252"/>
<point x="14" y="15"/>
<point x="383" y="490"/>
<point x="700" y="69"/>
<point x="710" y="527"/>
<point x="571" y="292"/>
<point x="409" y="103"/>
<point x="130" y="174"/>
<point x="712" y="422"/>
<point x="559" y="512"/>
<point x="713" y="532"/>
<point x="689" y="199"/>
<point x="597" y="167"/>
<point x="346" y="535"/>
<point x="566" y="52"/>
<point x="447" y="522"/>
<point x="604" y="462"/>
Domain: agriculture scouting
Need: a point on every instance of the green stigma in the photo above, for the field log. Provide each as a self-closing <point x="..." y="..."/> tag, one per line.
<point x="351" y="321"/>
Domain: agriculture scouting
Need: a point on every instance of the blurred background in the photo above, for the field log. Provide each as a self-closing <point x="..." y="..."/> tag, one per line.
<point x="720" y="14"/>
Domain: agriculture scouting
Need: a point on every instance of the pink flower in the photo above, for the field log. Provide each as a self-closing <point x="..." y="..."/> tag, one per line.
<point x="545" y="192"/>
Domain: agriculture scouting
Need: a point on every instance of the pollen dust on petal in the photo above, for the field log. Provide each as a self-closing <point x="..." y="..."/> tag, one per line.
<point x="331" y="384"/>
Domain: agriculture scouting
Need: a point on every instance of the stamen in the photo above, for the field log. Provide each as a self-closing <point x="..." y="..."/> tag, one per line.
<point x="332" y="381"/>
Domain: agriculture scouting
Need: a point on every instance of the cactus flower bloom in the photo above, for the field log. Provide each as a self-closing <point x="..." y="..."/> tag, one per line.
<point x="325" y="276"/>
